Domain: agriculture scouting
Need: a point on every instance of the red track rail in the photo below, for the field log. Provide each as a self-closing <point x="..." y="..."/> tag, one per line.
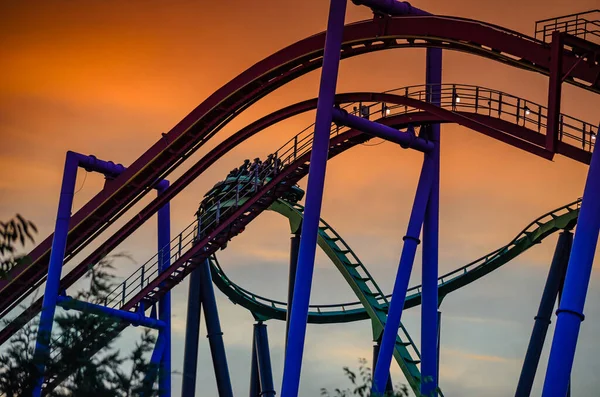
<point x="264" y="77"/>
<point x="502" y="130"/>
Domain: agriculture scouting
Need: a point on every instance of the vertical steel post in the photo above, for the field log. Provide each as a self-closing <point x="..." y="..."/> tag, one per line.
<point x="570" y="311"/>
<point x="554" y="91"/>
<point x="429" y="305"/>
<point x="389" y="388"/>
<point x="264" y="360"/>
<point x="192" y="334"/>
<point x="294" y="247"/>
<point x="544" y="314"/>
<point x="214" y="334"/>
<point x="254" y="380"/>
<point x="411" y="240"/>
<point x="314" y="198"/>
<point x="439" y="342"/>
<point x="155" y="362"/>
<point x="57" y="254"/>
<point x="164" y="305"/>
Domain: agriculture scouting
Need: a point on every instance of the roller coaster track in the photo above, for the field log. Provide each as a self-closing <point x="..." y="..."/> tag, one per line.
<point x="340" y="253"/>
<point x="374" y="303"/>
<point x="209" y="117"/>
<point x="146" y="285"/>
<point x="488" y="111"/>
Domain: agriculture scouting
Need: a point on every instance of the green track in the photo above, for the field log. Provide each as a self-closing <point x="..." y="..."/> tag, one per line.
<point x="372" y="302"/>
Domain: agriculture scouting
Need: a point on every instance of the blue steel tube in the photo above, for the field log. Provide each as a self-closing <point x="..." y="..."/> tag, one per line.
<point x="392" y="7"/>
<point x="431" y="225"/>
<point x="264" y="360"/>
<point x="132" y="318"/>
<point x="57" y="254"/>
<point x="404" y="139"/>
<point x="294" y="247"/>
<point x="570" y="311"/>
<point x="215" y="335"/>
<point x="544" y="314"/>
<point x="411" y="240"/>
<point x="314" y="199"/>
<point x="155" y="360"/>
<point x="254" y="380"/>
<point x="192" y="335"/>
<point x="389" y="387"/>
<point x="164" y="305"/>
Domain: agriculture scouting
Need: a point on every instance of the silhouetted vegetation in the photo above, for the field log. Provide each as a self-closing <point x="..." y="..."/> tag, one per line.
<point x="361" y="384"/>
<point x="80" y="334"/>
<point x="13" y="233"/>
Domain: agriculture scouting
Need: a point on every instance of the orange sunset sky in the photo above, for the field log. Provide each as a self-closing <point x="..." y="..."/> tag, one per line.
<point x="107" y="77"/>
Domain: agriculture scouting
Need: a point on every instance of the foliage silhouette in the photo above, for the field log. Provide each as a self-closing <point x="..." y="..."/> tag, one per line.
<point x="361" y="384"/>
<point x="78" y="335"/>
<point x="13" y="233"/>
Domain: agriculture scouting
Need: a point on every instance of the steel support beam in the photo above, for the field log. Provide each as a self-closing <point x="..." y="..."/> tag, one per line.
<point x="554" y="92"/>
<point x="389" y="387"/>
<point x="254" y="379"/>
<point x="134" y="319"/>
<point x="314" y="199"/>
<point x="411" y="240"/>
<point x="404" y="139"/>
<point x="164" y="305"/>
<point x="42" y="347"/>
<point x="294" y="248"/>
<point x="154" y="367"/>
<point x="431" y="225"/>
<point x="59" y="241"/>
<point x="544" y="314"/>
<point x="570" y="311"/>
<point x="391" y="7"/>
<point x="192" y="335"/>
<point x="215" y="335"/>
<point x="264" y="360"/>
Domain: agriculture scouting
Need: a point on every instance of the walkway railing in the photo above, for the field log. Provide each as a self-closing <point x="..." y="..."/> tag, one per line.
<point x="455" y="97"/>
<point x="585" y="25"/>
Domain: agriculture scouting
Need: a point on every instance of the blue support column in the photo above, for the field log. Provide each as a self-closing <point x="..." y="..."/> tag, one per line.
<point x="254" y="379"/>
<point x="294" y="247"/>
<point x="264" y="360"/>
<point x="405" y="139"/>
<point x="439" y="343"/>
<point x="570" y="312"/>
<point x="155" y="362"/>
<point x="544" y="314"/>
<point x="411" y="240"/>
<point x="164" y="305"/>
<point x="57" y="254"/>
<point x="389" y="387"/>
<point x="215" y="335"/>
<point x="314" y="198"/>
<point x="429" y="305"/>
<point x="134" y="319"/>
<point x="192" y="335"/>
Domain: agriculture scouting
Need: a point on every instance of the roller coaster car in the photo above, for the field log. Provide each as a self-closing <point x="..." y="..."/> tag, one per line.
<point x="223" y="195"/>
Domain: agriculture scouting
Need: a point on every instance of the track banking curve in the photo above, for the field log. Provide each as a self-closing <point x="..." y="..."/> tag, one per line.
<point x="208" y="118"/>
<point x="338" y="251"/>
<point x="405" y="110"/>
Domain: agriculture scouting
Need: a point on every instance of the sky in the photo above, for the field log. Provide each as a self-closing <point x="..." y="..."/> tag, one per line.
<point x="108" y="77"/>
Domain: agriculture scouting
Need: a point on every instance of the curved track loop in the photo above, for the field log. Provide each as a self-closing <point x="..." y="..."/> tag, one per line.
<point x="208" y="118"/>
<point x="338" y="251"/>
<point x="404" y="110"/>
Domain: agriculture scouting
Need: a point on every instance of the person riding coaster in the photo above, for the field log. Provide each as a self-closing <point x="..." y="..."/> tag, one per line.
<point x="239" y="185"/>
